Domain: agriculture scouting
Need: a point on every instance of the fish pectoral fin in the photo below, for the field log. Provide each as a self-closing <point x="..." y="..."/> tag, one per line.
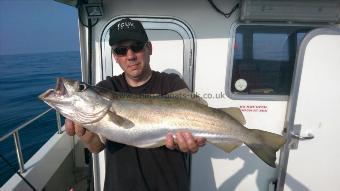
<point x="121" y="121"/>
<point x="227" y="147"/>
<point x="185" y="93"/>
<point x="236" y="113"/>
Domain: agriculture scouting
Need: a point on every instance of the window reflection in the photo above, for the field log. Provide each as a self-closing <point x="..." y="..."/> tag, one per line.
<point x="270" y="46"/>
<point x="238" y="46"/>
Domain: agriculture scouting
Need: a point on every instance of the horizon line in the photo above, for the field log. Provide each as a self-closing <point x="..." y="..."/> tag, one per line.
<point x="30" y="53"/>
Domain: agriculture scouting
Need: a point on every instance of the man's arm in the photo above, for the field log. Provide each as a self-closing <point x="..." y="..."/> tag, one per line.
<point x="91" y="140"/>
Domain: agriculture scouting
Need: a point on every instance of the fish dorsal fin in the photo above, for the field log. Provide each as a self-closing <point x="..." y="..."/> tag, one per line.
<point x="185" y="93"/>
<point x="120" y="121"/>
<point x="236" y="113"/>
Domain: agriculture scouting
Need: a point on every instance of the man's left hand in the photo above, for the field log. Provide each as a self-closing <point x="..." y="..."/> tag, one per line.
<point x="184" y="142"/>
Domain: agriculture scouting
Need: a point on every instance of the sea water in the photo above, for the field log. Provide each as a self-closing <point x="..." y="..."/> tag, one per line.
<point x="22" y="78"/>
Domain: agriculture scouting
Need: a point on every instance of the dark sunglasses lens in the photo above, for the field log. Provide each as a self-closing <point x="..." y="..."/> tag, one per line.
<point x="121" y="51"/>
<point x="137" y="47"/>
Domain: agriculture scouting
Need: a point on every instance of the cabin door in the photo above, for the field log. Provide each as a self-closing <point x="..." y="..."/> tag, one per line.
<point x="310" y="160"/>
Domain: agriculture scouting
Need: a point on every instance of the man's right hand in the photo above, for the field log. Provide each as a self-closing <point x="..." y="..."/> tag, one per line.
<point x="74" y="129"/>
<point x="91" y="140"/>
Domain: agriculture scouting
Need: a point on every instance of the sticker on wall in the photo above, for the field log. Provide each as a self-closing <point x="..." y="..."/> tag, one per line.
<point x="240" y="85"/>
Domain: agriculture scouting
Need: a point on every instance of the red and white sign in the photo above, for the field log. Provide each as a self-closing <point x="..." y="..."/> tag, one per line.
<point x="254" y="108"/>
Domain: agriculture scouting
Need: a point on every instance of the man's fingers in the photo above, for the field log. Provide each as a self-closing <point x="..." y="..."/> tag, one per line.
<point x="72" y="128"/>
<point x="69" y="127"/>
<point x="185" y="142"/>
<point x="80" y="131"/>
<point x="169" y="142"/>
<point x="181" y="142"/>
<point x="200" y="141"/>
<point x="191" y="143"/>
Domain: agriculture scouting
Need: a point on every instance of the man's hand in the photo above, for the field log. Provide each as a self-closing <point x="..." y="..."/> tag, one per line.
<point x="184" y="142"/>
<point x="74" y="129"/>
<point x="91" y="140"/>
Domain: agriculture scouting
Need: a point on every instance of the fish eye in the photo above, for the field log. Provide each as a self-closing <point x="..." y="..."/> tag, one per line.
<point x="82" y="87"/>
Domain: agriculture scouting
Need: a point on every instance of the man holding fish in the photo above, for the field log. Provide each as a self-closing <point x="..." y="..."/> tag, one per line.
<point x="135" y="114"/>
<point x="129" y="167"/>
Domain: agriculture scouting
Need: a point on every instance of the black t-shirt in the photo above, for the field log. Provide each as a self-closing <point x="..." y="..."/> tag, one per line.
<point x="135" y="169"/>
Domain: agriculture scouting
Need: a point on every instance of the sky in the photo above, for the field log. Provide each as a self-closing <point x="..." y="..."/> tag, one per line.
<point x="37" y="26"/>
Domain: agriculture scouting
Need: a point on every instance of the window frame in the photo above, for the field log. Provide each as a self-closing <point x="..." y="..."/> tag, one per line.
<point x="230" y="66"/>
<point x="173" y="24"/>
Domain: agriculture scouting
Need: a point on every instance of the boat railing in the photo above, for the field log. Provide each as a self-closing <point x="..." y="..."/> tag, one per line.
<point x="15" y="133"/>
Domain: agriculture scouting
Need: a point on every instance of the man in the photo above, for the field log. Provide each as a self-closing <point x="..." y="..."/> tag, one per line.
<point x="127" y="167"/>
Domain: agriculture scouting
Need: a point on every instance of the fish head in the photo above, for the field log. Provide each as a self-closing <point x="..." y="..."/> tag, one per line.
<point x="77" y="101"/>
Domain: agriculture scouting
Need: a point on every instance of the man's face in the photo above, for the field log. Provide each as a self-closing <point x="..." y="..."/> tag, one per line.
<point x="133" y="57"/>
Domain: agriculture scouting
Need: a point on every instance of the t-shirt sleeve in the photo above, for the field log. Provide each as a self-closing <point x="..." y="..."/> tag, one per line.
<point x="177" y="83"/>
<point x="105" y="84"/>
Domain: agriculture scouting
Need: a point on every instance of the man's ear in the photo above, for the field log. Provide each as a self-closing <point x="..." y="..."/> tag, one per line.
<point x="149" y="46"/>
<point x="113" y="55"/>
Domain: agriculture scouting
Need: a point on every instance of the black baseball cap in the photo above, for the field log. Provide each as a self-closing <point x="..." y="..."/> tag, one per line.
<point x="127" y="29"/>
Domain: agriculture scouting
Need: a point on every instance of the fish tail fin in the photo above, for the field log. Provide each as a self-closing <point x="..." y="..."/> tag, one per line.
<point x="266" y="145"/>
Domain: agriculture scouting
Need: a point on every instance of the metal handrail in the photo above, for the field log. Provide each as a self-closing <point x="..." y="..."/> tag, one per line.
<point x="15" y="133"/>
<point x="24" y="125"/>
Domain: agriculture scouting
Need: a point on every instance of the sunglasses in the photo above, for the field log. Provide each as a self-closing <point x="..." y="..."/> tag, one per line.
<point x="135" y="47"/>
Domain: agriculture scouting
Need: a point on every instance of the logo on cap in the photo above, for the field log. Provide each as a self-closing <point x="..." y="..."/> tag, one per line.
<point x="127" y="29"/>
<point x="126" y="25"/>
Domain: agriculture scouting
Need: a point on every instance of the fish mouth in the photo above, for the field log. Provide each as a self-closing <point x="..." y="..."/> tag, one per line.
<point x="51" y="94"/>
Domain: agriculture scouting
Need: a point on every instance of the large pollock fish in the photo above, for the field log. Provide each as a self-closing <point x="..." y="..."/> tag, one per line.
<point x="145" y="120"/>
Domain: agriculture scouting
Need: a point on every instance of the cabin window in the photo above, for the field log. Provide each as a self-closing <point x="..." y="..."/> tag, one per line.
<point x="264" y="57"/>
<point x="169" y="37"/>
